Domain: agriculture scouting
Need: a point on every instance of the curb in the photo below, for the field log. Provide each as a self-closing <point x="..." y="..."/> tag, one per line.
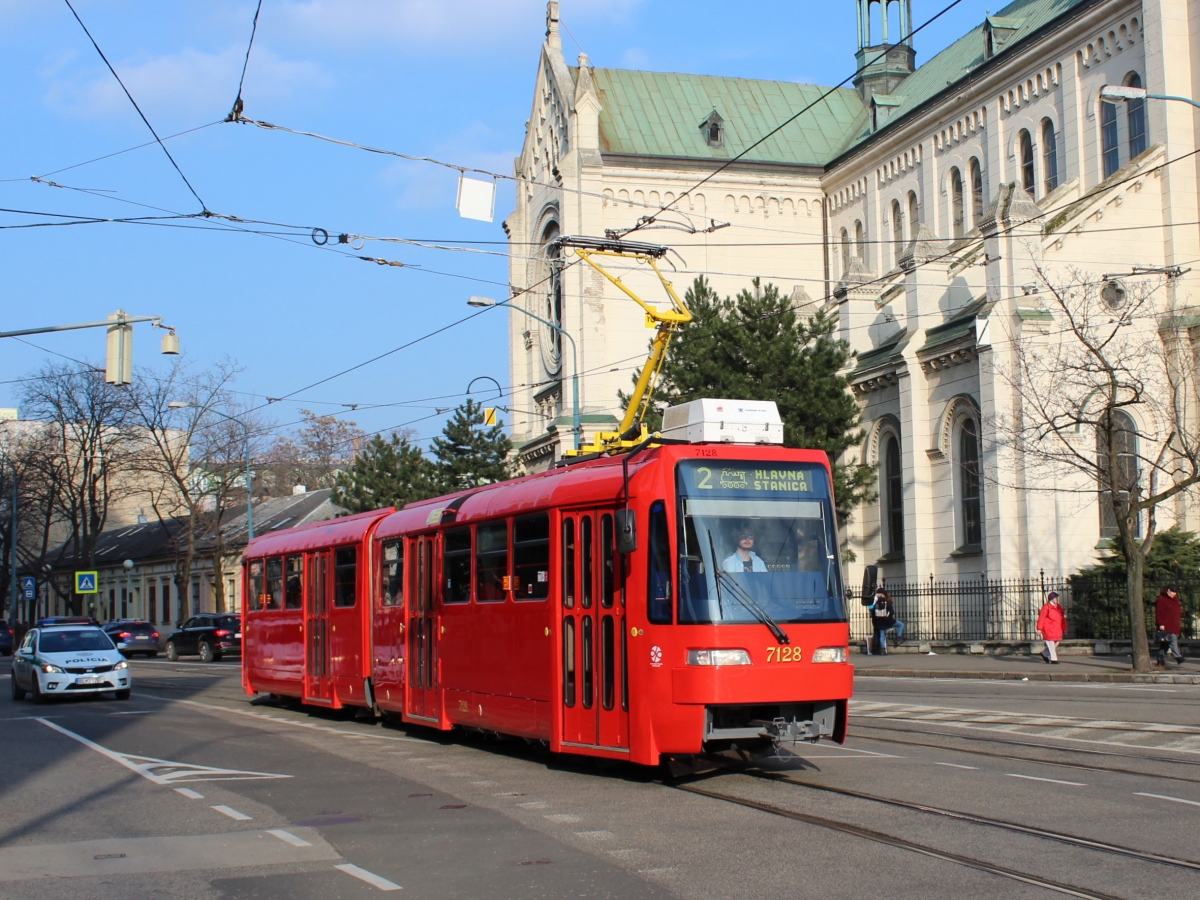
<point x="1103" y="677"/>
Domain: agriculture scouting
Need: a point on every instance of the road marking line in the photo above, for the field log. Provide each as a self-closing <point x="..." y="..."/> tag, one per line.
<point x="288" y="838"/>
<point x="133" y="712"/>
<point x="955" y="765"/>
<point x="369" y="877"/>
<point x="232" y="813"/>
<point x="1050" y="780"/>
<point x="562" y="817"/>
<point x="189" y="793"/>
<point x="1165" y="797"/>
<point x="284" y="721"/>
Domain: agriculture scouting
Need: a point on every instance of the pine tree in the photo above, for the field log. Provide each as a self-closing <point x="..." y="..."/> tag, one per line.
<point x="469" y="455"/>
<point x="755" y="347"/>
<point x="386" y="472"/>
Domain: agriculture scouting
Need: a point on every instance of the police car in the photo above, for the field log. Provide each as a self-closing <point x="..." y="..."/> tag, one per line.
<point x="60" y="660"/>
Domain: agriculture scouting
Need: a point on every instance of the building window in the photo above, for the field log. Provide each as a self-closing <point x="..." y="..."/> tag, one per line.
<point x="976" y="193"/>
<point x="971" y="498"/>
<point x="914" y="215"/>
<point x="845" y="250"/>
<point x="1026" y="149"/>
<point x="1111" y="153"/>
<point x="1124" y="440"/>
<point x="897" y="231"/>
<point x="860" y="241"/>
<point x="714" y="129"/>
<point x="1049" y="155"/>
<point x="893" y="494"/>
<point x="956" y="201"/>
<point x="1136" y="112"/>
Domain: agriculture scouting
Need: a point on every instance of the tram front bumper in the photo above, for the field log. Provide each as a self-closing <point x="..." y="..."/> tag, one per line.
<point x="708" y="685"/>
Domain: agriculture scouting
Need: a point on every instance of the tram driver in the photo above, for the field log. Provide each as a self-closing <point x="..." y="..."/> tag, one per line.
<point x="743" y="558"/>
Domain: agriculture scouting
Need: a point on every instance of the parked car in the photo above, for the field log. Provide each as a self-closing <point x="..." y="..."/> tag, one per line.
<point x="69" y="659"/>
<point x="211" y="635"/>
<point x="6" y="638"/>
<point x="133" y="636"/>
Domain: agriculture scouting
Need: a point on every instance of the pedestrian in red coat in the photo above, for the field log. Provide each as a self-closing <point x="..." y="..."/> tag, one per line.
<point x="1052" y="626"/>
<point x="1168" y="615"/>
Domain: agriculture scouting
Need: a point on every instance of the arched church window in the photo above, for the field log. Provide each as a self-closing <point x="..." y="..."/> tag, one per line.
<point x="1110" y="151"/>
<point x="1025" y="140"/>
<point x="845" y="250"/>
<point x="893" y="494"/>
<point x="1135" y="111"/>
<point x="956" y="201"/>
<point x="976" y="193"/>
<point x="897" y="232"/>
<point x="1118" y="426"/>
<point x="970" y="495"/>
<point x="1049" y="155"/>
<point x="914" y="216"/>
<point x="860" y="241"/>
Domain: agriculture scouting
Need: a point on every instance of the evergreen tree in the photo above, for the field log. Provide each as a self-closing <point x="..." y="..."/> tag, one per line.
<point x="468" y="454"/>
<point x="1174" y="557"/>
<point x="386" y="472"/>
<point x="755" y="347"/>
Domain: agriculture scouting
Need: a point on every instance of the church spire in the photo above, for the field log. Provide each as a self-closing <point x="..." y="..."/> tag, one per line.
<point x="885" y="62"/>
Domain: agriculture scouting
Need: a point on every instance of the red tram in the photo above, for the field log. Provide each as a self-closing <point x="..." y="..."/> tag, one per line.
<point x="682" y="599"/>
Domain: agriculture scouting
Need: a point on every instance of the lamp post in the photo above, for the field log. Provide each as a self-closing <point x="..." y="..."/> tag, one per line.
<point x="180" y="404"/>
<point x="1123" y="93"/>
<point x="575" y="421"/>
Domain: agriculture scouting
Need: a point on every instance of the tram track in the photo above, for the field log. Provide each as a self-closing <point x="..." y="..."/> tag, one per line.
<point x="901" y="843"/>
<point x="1033" y="746"/>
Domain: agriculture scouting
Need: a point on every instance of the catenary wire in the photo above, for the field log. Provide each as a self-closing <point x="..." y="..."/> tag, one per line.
<point x="238" y="105"/>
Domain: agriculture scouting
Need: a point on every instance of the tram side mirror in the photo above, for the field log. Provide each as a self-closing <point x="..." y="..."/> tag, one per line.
<point x="626" y="531"/>
<point x="870" y="582"/>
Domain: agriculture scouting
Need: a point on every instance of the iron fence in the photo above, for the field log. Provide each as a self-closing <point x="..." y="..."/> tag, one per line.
<point x="1006" y="610"/>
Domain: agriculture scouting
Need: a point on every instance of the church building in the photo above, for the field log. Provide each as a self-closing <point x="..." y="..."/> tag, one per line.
<point x="932" y="207"/>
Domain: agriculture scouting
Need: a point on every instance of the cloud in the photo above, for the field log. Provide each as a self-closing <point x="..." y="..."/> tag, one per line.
<point x="436" y="25"/>
<point x="187" y="85"/>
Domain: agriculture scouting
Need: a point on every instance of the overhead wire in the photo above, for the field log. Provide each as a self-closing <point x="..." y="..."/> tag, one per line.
<point x="238" y="105"/>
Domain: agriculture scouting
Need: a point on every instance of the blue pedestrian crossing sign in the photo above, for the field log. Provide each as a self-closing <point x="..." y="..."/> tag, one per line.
<point x="85" y="583"/>
<point x="29" y="587"/>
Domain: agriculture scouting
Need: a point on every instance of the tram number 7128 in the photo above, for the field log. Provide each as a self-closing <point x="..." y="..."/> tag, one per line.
<point x="783" y="654"/>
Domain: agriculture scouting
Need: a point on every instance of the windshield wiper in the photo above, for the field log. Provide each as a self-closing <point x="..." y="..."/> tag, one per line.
<point x="740" y="595"/>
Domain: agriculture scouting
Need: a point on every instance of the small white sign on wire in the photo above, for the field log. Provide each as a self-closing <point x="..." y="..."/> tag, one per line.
<point x="476" y="198"/>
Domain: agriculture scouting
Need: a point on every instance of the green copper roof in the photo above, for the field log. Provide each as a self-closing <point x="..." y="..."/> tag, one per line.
<point x="660" y="114"/>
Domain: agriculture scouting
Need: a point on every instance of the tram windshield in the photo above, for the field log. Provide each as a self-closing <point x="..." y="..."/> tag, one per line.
<point x="757" y="538"/>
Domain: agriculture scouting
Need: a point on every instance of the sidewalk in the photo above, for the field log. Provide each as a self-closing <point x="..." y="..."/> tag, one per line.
<point x="1113" y="669"/>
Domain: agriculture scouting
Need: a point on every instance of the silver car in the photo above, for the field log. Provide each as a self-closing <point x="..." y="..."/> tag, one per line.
<point x="60" y="660"/>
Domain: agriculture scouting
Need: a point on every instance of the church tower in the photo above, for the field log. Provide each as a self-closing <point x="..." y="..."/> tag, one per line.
<point x="882" y="65"/>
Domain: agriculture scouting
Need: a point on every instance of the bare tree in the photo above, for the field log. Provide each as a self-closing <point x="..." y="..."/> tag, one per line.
<point x="313" y="454"/>
<point x="1105" y="404"/>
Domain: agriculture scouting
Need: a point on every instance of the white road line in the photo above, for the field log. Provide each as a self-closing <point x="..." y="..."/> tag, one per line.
<point x="132" y="712"/>
<point x="189" y="793"/>
<point x="1050" y="780"/>
<point x="232" y="813"/>
<point x="295" y="724"/>
<point x="369" y="877"/>
<point x="955" y="765"/>
<point x="288" y="838"/>
<point x="1165" y="797"/>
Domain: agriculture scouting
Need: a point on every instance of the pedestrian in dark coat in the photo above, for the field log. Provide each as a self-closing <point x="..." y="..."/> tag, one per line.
<point x="1052" y="626"/>
<point x="1168" y="615"/>
<point x="883" y="618"/>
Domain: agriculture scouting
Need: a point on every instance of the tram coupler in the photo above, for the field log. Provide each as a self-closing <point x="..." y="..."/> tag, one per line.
<point x="782" y="730"/>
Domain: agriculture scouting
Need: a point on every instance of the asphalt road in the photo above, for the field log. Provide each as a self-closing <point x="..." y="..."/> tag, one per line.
<point x="947" y="788"/>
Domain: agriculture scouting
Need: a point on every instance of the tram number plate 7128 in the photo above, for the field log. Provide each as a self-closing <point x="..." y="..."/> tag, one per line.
<point x="783" y="654"/>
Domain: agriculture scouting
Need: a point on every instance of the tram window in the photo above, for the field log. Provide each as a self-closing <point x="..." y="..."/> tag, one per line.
<point x="456" y="563"/>
<point x="608" y="662"/>
<point x="609" y="561"/>
<point x="258" y="589"/>
<point x="568" y="563"/>
<point x="585" y="577"/>
<point x="588" y="652"/>
<point x="659" y="592"/>
<point x="569" y="661"/>
<point x="293" y="597"/>
<point x="274" y="593"/>
<point x="531" y="557"/>
<point x="393" y="573"/>
<point x="491" y="562"/>
<point x="345" y="576"/>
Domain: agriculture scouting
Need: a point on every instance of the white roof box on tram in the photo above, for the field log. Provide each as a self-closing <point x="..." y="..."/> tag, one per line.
<point x="724" y="422"/>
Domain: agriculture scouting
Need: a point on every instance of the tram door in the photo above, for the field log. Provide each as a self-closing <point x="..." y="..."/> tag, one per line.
<point x="595" y="702"/>
<point x="316" y="628"/>
<point x="425" y="591"/>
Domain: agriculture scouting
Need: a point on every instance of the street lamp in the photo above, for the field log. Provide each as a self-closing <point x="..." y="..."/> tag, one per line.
<point x="575" y="422"/>
<point x="181" y="404"/>
<point x="1123" y="93"/>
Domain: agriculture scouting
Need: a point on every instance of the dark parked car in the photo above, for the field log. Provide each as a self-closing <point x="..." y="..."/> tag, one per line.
<point x="211" y="635"/>
<point x="6" y="639"/>
<point x="133" y="636"/>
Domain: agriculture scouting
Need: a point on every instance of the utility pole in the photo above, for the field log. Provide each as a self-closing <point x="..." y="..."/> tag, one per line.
<point x="12" y="546"/>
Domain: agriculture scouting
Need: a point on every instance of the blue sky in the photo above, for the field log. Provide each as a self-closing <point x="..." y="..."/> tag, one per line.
<point x="450" y="80"/>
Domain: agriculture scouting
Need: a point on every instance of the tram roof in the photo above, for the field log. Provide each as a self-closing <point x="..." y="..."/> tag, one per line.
<point x="315" y="535"/>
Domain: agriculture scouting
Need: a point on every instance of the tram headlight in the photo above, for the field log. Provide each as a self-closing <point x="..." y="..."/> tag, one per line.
<point x="718" y="658"/>
<point x="830" y="655"/>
